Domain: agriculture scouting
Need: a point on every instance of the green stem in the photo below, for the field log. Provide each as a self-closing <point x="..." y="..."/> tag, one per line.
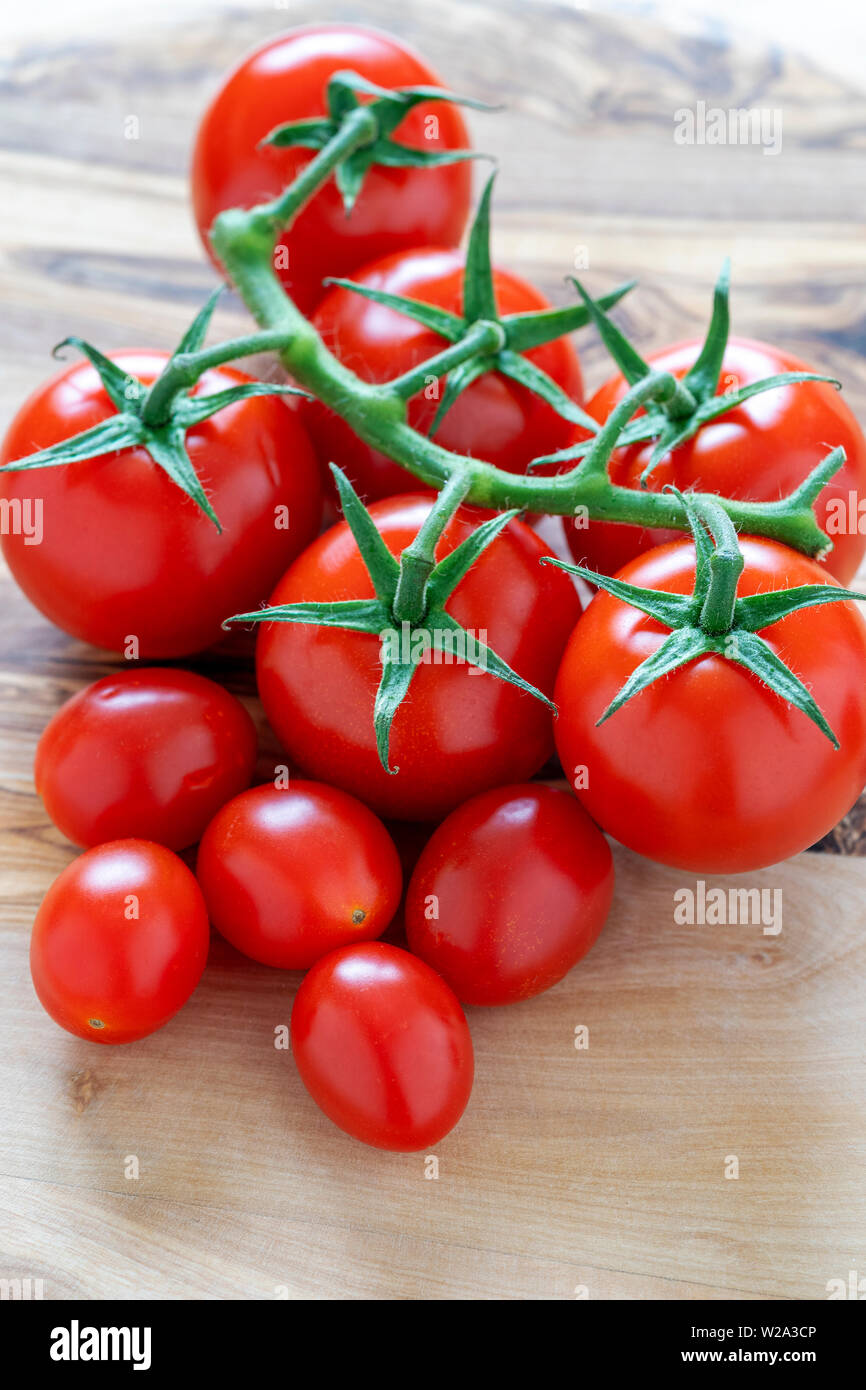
<point x="184" y="369"/>
<point x="483" y="339"/>
<point x="419" y="558"/>
<point x="681" y="404"/>
<point x="657" y="386"/>
<point x="358" y="128"/>
<point x="726" y="565"/>
<point x="372" y="412"/>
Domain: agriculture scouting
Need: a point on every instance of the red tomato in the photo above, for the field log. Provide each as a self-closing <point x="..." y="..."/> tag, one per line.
<point x="494" y="419"/>
<point x="124" y="552"/>
<point x="458" y="731"/>
<point x="120" y="942"/>
<point x="285" y="80"/>
<point x="708" y="769"/>
<point x="759" y="451"/>
<point x="383" y="1046"/>
<point x="148" y="754"/>
<point x="509" y="893"/>
<point x="290" y="874"/>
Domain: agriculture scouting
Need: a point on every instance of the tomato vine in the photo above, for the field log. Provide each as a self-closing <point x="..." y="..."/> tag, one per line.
<point x="244" y="240"/>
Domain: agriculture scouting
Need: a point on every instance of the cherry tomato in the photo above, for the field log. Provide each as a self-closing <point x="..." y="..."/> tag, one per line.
<point x="146" y="754"/>
<point x="459" y="730"/>
<point x="124" y="553"/>
<point x="494" y="419"/>
<point x="759" y="451"/>
<point x="288" y="874"/>
<point x="510" y="892"/>
<point x="285" y="80"/>
<point x="708" y="769"/>
<point x="383" y="1046"/>
<point x="120" y="942"/>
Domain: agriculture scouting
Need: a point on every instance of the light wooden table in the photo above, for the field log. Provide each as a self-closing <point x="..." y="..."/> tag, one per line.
<point x="599" y="1170"/>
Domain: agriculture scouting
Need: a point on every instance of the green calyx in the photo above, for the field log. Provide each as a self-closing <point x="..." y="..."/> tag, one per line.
<point x="483" y="340"/>
<point x="374" y="123"/>
<point x="408" y="613"/>
<point x="157" y="418"/>
<point x="696" y="403"/>
<point x="713" y="619"/>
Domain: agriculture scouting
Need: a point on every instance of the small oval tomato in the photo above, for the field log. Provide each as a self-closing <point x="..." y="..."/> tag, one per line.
<point x="459" y="730"/>
<point x="510" y="892"/>
<point x="759" y="451"/>
<point x="383" y="1047"/>
<point x="493" y="419"/>
<point x="123" y="552"/>
<point x="285" y="80"/>
<point x="708" y="769"/>
<point x="147" y="754"/>
<point x="290" y="874"/>
<point x="120" y="942"/>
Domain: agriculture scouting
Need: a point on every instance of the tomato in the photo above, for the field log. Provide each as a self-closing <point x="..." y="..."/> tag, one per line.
<point x="124" y="553"/>
<point x="285" y="80"/>
<point x="494" y="419"/>
<point x="288" y="874"/>
<point x="120" y="942"/>
<point x="459" y="730"/>
<point x="383" y="1047"/>
<point x="146" y="754"/>
<point x="759" y="451"/>
<point x="510" y="892"/>
<point x="708" y="769"/>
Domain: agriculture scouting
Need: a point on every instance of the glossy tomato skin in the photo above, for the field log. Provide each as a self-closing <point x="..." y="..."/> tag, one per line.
<point x="709" y="770"/>
<point x="458" y="731"/>
<point x="383" y="1047"/>
<point x="290" y="874"/>
<point x="761" y="451"/>
<point x="494" y="419"/>
<point x="124" y="552"/>
<point x="120" y="942"/>
<point x="510" y="892"/>
<point x="146" y="753"/>
<point x="285" y="80"/>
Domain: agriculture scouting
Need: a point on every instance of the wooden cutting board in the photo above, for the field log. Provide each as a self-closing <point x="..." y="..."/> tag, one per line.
<point x="597" y="1171"/>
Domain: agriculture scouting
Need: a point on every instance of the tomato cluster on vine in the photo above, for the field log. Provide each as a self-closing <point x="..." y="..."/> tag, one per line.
<point x="424" y="658"/>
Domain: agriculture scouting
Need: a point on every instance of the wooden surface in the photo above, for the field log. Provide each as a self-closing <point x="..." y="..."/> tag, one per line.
<point x="599" y="1171"/>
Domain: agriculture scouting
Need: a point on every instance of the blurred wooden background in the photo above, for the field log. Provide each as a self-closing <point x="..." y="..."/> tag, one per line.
<point x="599" y="1170"/>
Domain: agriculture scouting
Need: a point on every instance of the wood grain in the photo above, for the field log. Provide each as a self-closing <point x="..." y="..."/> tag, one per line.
<point x="599" y="1170"/>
